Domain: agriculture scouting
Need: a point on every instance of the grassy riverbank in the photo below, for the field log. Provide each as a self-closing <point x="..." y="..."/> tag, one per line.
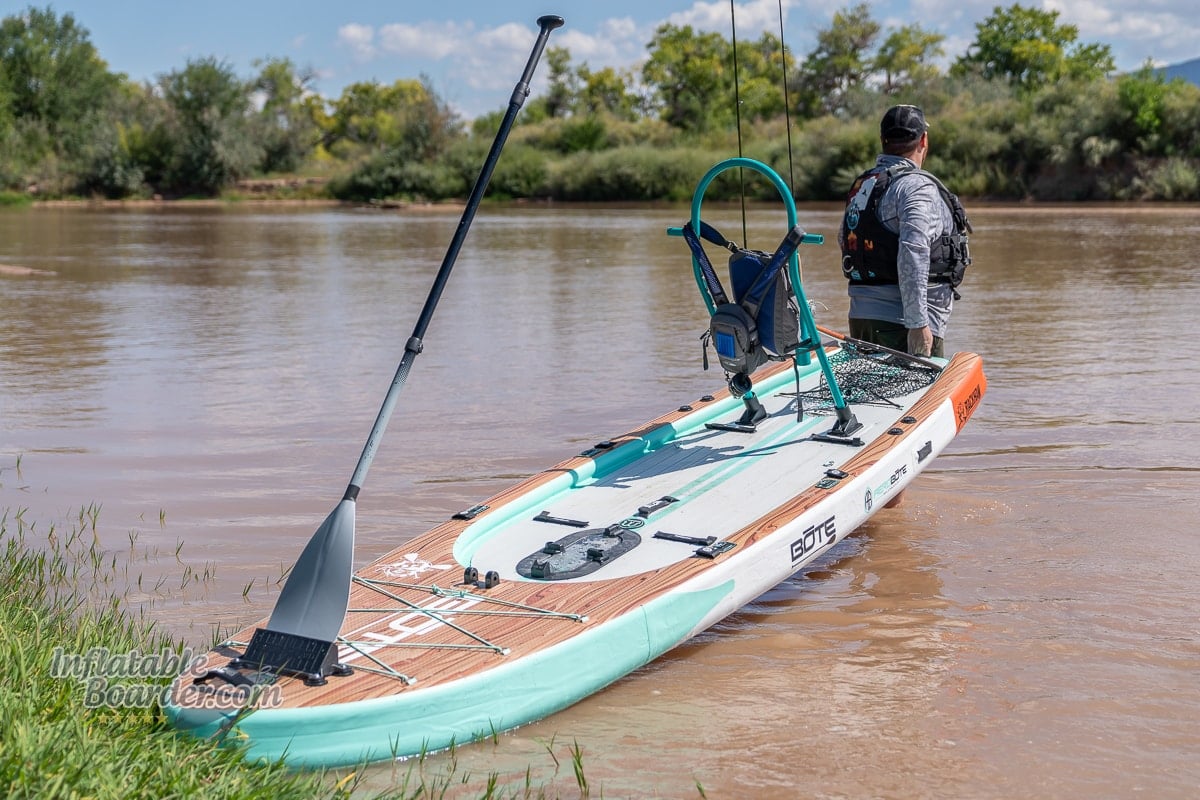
<point x="73" y="728"/>
<point x="60" y="596"/>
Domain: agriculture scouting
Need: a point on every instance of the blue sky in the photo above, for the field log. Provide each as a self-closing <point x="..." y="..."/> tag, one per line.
<point x="474" y="50"/>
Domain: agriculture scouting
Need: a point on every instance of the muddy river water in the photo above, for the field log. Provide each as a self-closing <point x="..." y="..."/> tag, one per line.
<point x="1026" y="624"/>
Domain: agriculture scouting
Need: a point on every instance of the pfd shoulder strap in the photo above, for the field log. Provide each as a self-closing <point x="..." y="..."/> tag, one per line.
<point x="949" y="198"/>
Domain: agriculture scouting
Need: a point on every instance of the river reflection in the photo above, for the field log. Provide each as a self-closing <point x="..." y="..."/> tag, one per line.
<point x="1024" y="624"/>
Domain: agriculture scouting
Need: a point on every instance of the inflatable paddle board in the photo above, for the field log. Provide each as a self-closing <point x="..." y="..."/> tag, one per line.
<point x="543" y="594"/>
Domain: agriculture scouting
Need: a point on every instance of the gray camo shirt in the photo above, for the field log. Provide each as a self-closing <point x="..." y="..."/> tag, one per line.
<point x="911" y="207"/>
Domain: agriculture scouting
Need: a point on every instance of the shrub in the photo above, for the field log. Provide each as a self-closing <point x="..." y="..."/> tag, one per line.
<point x="1169" y="179"/>
<point x="521" y="172"/>
<point x="638" y="173"/>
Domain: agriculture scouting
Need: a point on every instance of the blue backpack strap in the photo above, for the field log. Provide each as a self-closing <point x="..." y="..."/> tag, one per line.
<point x="753" y="297"/>
<point x="711" y="234"/>
<point x="712" y="282"/>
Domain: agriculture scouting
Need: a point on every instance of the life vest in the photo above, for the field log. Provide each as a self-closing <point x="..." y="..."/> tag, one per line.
<point x="870" y="250"/>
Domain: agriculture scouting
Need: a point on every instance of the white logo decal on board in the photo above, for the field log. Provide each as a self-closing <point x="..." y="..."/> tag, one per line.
<point x="412" y="566"/>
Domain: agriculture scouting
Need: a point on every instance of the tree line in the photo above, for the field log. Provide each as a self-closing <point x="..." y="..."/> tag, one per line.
<point x="1027" y="112"/>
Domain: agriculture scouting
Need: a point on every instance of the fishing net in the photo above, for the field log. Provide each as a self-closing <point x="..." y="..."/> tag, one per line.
<point x="868" y="377"/>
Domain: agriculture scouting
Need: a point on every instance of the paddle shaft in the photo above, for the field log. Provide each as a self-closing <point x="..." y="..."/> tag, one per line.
<point x="414" y="345"/>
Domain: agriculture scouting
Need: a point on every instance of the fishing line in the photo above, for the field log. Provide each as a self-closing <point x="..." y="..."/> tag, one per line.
<point x="787" y="121"/>
<point x="737" y="112"/>
<point x="787" y="106"/>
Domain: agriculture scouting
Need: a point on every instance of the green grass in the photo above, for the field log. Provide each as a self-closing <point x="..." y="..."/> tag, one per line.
<point x="59" y="592"/>
<point x="62" y="592"/>
<point x="9" y="198"/>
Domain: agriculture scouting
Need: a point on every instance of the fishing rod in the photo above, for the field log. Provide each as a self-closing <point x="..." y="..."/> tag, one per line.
<point x="737" y="108"/>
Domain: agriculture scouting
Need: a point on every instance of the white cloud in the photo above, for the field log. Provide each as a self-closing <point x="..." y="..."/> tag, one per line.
<point x="509" y="37"/>
<point x="493" y="59"/>
<point x="1166" y="30"/>
<point x="359" y="38"/>
<point x="618" y="42"/>
<point x="435" y="40"/>
<point x="753" y="18"/>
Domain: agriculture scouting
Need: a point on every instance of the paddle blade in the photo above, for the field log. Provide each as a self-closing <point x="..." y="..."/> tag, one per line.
<point x="314" y="600"/>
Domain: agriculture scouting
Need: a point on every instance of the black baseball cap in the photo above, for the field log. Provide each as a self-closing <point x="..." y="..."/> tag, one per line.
<point x="903" y="124"/>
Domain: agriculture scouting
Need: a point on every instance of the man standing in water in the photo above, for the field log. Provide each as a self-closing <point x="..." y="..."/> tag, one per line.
<point x="904" y="243"/>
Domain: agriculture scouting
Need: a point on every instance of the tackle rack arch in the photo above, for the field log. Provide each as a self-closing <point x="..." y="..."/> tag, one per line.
<point x="810" y="340"/>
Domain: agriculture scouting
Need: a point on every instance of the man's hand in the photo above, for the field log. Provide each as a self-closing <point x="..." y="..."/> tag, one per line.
<point x="920" y="341"/>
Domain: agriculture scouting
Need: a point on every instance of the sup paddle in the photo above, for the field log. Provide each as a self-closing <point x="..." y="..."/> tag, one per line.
<point x="316" y="596"/>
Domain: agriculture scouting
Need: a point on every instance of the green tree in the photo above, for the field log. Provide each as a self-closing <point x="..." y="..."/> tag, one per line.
<point x="114" y="162"/>
<point x="407" y="118"/>
<point x="287" y="123"/>
<point x="906" y="58"/>
<point x="1141" y="98"/>
<point x="398" y="132"/>
<point x="359" y="118"/>
<point x="52" y="72"/>
<point x="690" y="78"/>
<point x="54" y="89"/>
<point x="147" y="131"/>
<point x="1029" y="48"/>
<point x="582" y="91"/>
<point x="762" y="67"/>
<point x="560" y="98"/>
<point x="1181" y="119"/>
<point x="428" y="126"/>
<point x="9" y="170"/>
<point x="607" y="91"/>
<point x="840" y="63"/>
<point x="209" y="126"/>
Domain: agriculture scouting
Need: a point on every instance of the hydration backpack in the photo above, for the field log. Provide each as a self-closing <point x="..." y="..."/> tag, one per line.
<point x="762" y="322"/>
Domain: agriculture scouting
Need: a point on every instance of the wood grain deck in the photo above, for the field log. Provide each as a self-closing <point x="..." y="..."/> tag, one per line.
<point x="962" y="382"/>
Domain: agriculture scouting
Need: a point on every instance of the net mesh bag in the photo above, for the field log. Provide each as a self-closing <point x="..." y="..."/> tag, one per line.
<point x="868" y="377"/>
